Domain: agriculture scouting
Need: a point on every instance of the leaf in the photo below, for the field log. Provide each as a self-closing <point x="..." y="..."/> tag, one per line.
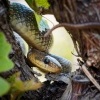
<point x="38" y="18"/>
<point x="5" y="63"/>
<point x="4" y="87"/>
<point x="42" y="3"/>
<point x="34" y="4"/>
<point x="19" y="85"/>
<point x="42" y="23"/>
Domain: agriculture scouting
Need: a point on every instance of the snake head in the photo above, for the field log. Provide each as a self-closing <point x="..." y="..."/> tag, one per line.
<point x="43" y="61"/>
<point x="48" y="59"/>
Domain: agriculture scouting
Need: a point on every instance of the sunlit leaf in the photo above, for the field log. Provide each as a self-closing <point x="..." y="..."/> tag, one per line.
<point x="42" y="23"/>
<point x="34" y="4"/>
<point x="18" y="85"/>
<point x="4" y="86"/>
<point x="42" y="3"/>
<point x="38" y="18"/>
<point x="5" y="63"/>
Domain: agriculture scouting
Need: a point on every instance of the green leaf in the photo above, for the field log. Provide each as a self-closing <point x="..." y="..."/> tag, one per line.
<point x="18" y="85"/>
<point x="4" y="87"/>
<point x="38" y="18"/>
<point x="5" y="63"/>
<point x="42" y="3"/>
<point x="42" y="23"/>
<point x="34" y="4"/>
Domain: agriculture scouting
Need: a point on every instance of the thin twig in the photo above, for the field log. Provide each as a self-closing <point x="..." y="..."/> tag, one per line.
<point x="68" y="92"/>
<point x="87" y="73"/>
<point x="75" y="26"/>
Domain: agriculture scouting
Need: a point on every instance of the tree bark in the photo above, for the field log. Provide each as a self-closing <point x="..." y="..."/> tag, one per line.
<point x="86" y="42"/>
<point x="16" y="54"/>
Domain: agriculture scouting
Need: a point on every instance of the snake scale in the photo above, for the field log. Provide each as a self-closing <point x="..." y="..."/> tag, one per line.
<point x="23" y="22"/>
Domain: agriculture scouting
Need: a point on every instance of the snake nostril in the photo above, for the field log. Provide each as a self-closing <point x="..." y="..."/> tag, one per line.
<point x="46" y="61"/>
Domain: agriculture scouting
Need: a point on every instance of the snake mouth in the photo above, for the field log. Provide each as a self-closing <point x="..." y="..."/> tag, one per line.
<point x="43" y="61"/>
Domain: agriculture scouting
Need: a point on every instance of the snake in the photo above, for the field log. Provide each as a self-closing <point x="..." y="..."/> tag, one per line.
<point x="23" y="22"/>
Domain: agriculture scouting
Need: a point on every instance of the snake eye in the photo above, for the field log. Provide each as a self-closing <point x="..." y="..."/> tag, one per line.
<point x="46" y="61"/>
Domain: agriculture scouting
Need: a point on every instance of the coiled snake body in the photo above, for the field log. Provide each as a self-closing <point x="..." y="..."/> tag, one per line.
<point x="24" y="23"/>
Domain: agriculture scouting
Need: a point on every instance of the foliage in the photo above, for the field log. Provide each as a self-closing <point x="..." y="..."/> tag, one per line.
<point x="38" y="18"/>
<point x="42" y="3"/>
<point x="5" y="63"/>
<point x="35" y="4"/>
<point x="5" y="48"/>
<point x="19" y="85"/>
<point x="38" y="3"/>
<point x="4" y="86"/>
